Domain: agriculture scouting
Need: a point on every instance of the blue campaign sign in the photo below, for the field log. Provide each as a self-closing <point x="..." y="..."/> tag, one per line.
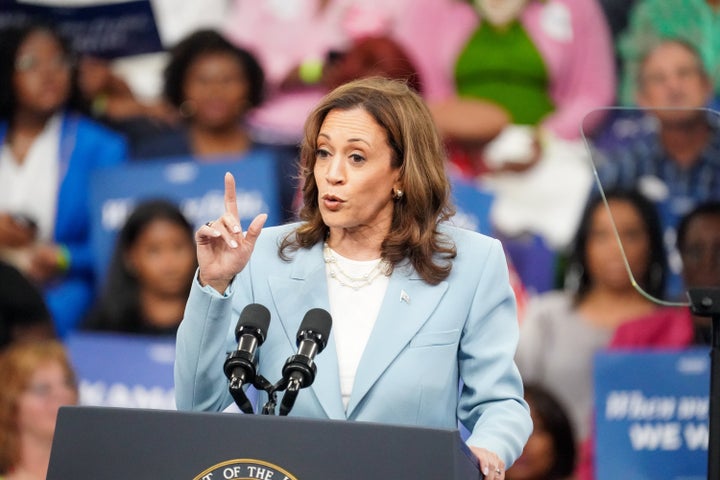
<point x="130" y="371"/>
<point x="107" y="30"/>
<point x="197" y="187"/>
<point x="473" y="206"/>
<point x="652" y="411"/>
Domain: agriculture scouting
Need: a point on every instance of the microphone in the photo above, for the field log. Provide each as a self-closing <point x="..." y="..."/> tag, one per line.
<point x="299" y="370"/>
<point x="240" y="365"/>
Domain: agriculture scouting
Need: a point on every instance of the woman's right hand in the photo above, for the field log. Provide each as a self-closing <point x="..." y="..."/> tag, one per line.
<point x="222" y="248"/>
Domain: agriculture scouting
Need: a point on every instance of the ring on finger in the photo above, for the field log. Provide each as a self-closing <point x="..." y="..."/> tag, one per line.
<point x="498" y="471"/>
<point x="210" y="223"/>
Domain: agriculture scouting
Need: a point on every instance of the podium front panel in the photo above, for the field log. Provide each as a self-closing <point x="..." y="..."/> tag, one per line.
<point x="118" y="443"/>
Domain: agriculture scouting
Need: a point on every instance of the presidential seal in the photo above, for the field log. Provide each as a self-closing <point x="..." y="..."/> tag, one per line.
<point x="245" y="469"/>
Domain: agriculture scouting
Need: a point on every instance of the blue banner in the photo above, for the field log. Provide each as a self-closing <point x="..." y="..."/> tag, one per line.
<point x="652" y="412"/>
<point x="107" y="31"/>
<point x="197" y="187"/>
<point x="129" y="371"/>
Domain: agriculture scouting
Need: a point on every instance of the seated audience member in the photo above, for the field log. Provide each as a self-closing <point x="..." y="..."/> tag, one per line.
<point x="37" y="379"/>
<point x="694" y="21"/>
<point x="23" y="313"/>
<point x="524" y="81"/>
<point x="698" y="241"/>
<point x="673" y="327"/>
<point x="114" y="103"/>
<point x="562" y="330"/>
<point x="370" y="57"/>
<point x="677" y="164"/>
<point x="214" y="85"/>
<point x="296" y="43"/>
<point x="150" y="273"/>
<point x="550" y="452"/>
<point x="48" y="152"/>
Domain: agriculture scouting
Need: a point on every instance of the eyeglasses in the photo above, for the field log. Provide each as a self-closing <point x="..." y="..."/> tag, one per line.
<point x="31" y="64"/>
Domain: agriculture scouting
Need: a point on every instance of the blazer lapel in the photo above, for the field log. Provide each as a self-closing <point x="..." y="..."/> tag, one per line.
<point x="407" y="305"/>
<point x="306" y="288"/>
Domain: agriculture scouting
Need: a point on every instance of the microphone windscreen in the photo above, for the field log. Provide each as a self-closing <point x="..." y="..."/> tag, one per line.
<point x="319" y="322"/>
<point x="253" y="316"/>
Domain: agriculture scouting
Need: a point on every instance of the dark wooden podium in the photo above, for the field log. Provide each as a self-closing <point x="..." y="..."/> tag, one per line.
<point x="119" y="443"/>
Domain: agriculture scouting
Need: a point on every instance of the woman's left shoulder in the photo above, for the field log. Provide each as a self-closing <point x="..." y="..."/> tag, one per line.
<point x="468" y="241"/>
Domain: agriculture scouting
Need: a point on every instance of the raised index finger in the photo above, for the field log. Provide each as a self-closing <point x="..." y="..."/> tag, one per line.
<point x="231" y="196"/>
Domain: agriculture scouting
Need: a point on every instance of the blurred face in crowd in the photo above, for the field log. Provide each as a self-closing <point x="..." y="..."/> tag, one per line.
<point x="50" y="387"/>
<point x="354" y="173"/>
<point x="604" y="258"/>
<point x="672" y="77"/>
<point x="163" y="258"/>
<point x="216" y="84"/>
<point x="701" y="252"/>
<point x="42" y="74"/>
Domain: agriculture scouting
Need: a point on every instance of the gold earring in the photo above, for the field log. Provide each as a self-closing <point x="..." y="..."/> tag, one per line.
<point x="397" y="194"/>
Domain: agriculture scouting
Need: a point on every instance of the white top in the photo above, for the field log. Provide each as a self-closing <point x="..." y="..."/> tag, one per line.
<point x="31" y="188"/>
<point x="353" y="312"/>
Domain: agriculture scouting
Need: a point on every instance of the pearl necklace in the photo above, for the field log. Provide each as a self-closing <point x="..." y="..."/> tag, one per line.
<point x="352" y="281"/>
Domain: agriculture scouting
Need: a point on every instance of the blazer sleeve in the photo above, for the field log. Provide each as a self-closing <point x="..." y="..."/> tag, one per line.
<point x="204" y="339"/>
<point x="491" y="401"/>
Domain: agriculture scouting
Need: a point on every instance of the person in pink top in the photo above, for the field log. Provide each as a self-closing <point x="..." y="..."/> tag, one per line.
<point x="512" y="103"/>
<point x="570" y="38"/>
<point x="294" y="41"/>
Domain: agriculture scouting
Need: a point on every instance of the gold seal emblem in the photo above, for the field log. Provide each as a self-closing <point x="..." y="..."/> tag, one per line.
<point x="245" y="469"/>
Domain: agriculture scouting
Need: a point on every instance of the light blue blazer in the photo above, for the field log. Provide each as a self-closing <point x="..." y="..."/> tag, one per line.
<point x="425" y="342"/>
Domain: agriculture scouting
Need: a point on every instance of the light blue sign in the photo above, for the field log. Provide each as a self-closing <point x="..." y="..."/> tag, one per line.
<point x="652" y="413"/>
<point x="198" y="188"/>
<point x="129" y="371"/>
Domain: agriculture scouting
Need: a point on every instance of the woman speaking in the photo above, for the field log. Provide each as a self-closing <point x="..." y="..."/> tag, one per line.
<point x="419" y="307"/>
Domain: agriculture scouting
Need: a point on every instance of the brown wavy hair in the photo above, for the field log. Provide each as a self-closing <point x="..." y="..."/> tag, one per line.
<point x="419" y="154"/>
<point x="18" y="362"/>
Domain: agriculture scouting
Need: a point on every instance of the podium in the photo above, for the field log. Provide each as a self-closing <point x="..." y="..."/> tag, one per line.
<point x="119" y="443"/>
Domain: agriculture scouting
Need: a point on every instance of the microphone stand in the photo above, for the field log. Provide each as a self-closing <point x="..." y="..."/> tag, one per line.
<point x="239" y="396"/>
<point x="263" y="384"/>
<point x="705" y="302"/>
<point x="241" y="400"/>
<point x="291" y="387"/>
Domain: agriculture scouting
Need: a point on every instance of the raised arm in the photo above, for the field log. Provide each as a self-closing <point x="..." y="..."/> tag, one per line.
<point x="202" y="339"/>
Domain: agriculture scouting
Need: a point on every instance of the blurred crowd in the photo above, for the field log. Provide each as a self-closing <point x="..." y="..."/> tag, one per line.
<point x="590" y="122"/>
